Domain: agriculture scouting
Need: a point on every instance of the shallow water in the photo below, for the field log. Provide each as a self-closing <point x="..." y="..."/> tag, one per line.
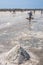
<point x="15" y="28"/>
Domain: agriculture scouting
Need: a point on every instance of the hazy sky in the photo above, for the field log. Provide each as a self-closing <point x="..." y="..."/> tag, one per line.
<point x="21" y="3"/>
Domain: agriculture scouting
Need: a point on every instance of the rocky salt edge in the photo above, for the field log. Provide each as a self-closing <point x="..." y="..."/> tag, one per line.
<point x="10" y="58"/>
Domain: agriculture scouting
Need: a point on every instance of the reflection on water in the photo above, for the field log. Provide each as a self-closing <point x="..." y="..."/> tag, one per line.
<point x="21" y="31"/>
<point x="30" y="26"/>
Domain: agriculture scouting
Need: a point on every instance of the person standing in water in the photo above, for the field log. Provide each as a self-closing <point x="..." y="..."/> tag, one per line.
<point x="30" y="16"/>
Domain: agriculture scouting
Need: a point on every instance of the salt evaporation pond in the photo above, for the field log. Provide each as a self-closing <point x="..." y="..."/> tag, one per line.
<point x="16" y="29"/>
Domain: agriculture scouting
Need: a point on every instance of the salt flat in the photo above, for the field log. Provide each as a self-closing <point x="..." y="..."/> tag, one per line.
<point x="16" y="29"/>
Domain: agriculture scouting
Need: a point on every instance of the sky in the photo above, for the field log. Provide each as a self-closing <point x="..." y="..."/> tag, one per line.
<point x="21" y="4"/>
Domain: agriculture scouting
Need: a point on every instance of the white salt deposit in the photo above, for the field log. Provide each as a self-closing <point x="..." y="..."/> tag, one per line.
<point x="21" y="30"/>
<point x="11" y="57"/>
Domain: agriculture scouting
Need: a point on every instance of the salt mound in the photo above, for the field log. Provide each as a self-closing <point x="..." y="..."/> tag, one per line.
<point x="18" y="55"/>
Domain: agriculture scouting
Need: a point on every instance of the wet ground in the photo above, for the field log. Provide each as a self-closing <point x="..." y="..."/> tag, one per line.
<point x="16" y="29"/>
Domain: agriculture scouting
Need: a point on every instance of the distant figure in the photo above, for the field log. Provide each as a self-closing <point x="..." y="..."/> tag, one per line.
<point x="34" y="11"/>
<point x="41" y="12"/>
<point x="30" y="16"/>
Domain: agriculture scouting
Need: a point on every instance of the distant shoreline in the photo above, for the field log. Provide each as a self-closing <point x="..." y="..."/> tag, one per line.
<point x="21" y="10"/>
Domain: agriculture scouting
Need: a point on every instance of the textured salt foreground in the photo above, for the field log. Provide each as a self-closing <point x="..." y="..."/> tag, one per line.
<point x="17" y="55"/>
<point x="18" y="35"/>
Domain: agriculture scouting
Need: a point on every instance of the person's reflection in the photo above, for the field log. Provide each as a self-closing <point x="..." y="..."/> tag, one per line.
<point x="29" y="24"/>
